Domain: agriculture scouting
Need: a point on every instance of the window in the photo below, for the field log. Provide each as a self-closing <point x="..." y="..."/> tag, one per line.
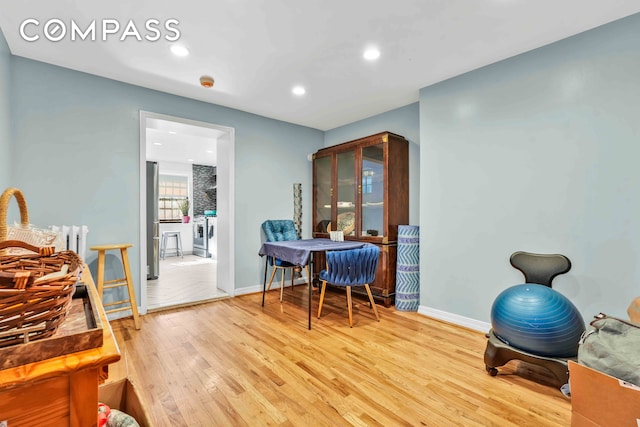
<point x="367" y="181"/>
<point x="172" y="189"/>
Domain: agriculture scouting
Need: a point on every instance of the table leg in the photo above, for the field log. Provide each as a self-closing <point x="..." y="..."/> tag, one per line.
<point x="264" y="281"/>
<point x="309" y="269"/>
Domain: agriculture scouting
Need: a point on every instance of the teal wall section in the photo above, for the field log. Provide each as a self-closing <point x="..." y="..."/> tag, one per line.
<point x="76" y="158"/>
<point x="403" y="121"/>
<point x="5" y="116"/>
<point x="539" y="153"/>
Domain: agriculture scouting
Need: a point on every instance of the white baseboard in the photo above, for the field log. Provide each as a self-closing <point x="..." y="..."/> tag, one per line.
<point x="122" y="314"/>
<point x="456" y="319"/>
<point x="275" y="285"/>
<point x="247" y="290"/>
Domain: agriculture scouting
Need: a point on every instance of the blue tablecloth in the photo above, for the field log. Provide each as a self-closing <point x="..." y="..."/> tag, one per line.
<point x="298" y="251"/>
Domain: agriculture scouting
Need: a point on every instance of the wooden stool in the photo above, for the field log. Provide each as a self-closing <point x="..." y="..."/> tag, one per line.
<point x="125" y="281"/>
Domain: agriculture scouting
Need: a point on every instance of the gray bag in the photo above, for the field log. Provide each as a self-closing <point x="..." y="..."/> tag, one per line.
<point x="612" y="346"/>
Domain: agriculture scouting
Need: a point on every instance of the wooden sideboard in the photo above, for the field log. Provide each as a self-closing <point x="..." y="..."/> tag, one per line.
<point x="63" y="390"/>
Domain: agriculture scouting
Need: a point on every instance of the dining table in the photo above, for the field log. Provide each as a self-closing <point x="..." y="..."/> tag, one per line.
<point x="299" y="252"/>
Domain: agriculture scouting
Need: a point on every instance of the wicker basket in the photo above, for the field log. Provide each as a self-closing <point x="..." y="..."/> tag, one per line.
<point x="35" y="288"/>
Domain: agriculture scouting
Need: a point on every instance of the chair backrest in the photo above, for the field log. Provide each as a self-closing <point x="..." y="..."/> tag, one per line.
<point x="278" y="230"/>
<point x="352" y="267"/>
<point x="540" y="268"/>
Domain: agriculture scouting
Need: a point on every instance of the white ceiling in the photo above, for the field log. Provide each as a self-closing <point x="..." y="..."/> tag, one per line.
<point x="172" y="141"/>
<point x="258" y="50"/>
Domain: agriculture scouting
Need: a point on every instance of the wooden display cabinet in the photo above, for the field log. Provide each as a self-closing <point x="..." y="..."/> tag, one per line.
<point x="362" y="188"/>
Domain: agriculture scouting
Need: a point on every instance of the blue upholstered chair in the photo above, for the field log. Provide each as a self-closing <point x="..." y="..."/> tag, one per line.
<point x="353" y="267"/>
<point x="276" y="231"/>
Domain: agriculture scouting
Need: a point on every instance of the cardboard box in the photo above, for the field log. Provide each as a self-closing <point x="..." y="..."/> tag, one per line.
<point x="122" y="395"/>
<point x="598" y="399"/>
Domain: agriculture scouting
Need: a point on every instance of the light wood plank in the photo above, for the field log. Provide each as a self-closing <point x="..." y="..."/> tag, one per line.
<point x="233" y="362"/>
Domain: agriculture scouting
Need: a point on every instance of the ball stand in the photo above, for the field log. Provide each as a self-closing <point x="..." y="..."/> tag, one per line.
<point x="537" y="268"/>
<point x="498" y="353"/>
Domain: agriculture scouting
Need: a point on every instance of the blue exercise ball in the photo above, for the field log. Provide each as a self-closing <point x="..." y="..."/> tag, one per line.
<point x="538" y="320"/>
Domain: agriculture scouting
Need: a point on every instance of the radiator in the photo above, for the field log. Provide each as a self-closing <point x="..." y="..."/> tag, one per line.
<point x="72" y="238"/>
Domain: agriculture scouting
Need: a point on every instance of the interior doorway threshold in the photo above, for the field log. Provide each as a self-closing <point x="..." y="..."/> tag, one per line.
<point x="171" y="306"/>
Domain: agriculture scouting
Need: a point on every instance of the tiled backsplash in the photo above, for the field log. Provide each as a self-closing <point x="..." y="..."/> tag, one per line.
<point x="205" y="193"/>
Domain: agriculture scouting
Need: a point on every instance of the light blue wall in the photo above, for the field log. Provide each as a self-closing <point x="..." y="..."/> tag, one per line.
<point x="403" y="121"/>
<point x="538" y="153"/>
<point x="5" y="117"/>
<point x="76" y="158"/>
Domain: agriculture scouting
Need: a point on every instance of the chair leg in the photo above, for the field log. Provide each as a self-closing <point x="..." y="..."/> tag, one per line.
<point x="349" y="306"/>
<point x="273" y="274"/>
<point x="179" y="245"/>
<point x="282" y="274"/>
<point x="163" y="246"/>
<point x="324" y="288"/>
<point x="293" y="270"/>
<point x="373" y="304"/>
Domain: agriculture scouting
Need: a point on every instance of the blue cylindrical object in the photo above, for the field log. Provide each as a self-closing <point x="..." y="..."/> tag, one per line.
<point x="408" y="268"/>
<point x="538" y="320"/>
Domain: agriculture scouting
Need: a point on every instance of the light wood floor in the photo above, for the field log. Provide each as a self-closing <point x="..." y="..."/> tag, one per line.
<point x="235" y="363"/>
<point x="183" y="280"/>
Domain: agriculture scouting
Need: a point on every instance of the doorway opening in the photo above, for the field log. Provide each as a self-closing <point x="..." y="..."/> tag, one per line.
<point x="186" y="148"/>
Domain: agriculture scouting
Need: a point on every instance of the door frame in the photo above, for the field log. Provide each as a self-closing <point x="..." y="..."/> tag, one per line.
<point x="225" y="148"/>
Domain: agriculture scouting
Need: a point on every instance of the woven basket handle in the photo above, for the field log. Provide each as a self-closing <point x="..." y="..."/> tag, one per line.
<point x="4" y="206"/>
<point x="40" y="250"/>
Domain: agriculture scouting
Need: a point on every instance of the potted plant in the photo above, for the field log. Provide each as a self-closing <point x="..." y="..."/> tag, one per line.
<point x="183" y="205"/>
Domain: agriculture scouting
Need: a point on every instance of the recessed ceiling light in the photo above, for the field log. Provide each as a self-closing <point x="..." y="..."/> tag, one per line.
<point x="371" y="54"/>
<point x="298" y="90"/>
<point x="157" y="143"/>
<point x="190" y="160"/>
<point x="210" y="151"/>
<point x="179" y="50"/>
<point x="172" y="132"/>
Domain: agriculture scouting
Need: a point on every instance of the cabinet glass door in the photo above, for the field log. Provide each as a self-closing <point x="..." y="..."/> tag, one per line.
<point x="372" y="190"/>
<point x="323" y="193"/>
<point x="346" y="195"/>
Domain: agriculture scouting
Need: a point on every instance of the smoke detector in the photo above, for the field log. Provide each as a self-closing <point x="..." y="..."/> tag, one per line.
<point x="206" y="81"/>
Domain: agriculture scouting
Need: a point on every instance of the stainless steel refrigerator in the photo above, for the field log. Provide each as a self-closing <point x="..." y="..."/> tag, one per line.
<point x="153" y="224"/>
